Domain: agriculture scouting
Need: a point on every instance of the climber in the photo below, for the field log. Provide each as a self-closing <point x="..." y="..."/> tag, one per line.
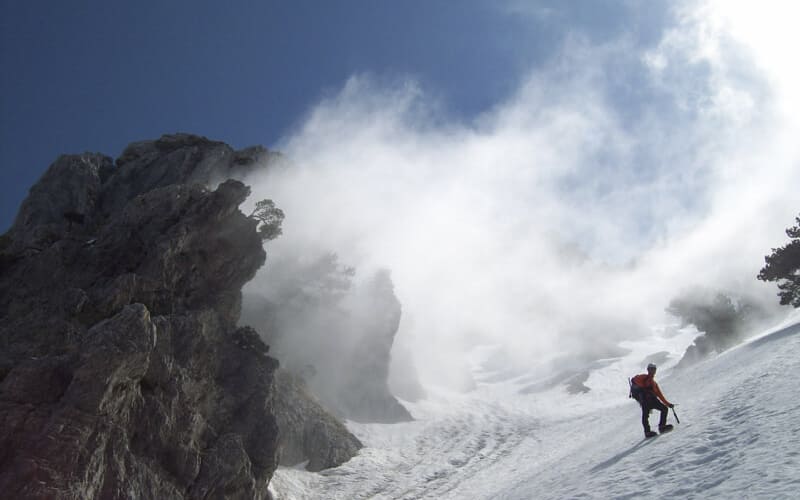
<point x="645" y="390"/>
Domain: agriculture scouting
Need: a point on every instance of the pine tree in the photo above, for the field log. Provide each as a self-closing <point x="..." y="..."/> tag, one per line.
<point x="270" y="219"/>
<point x="783" y="266"/>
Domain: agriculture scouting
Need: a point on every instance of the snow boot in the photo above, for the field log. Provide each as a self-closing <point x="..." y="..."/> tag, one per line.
<point x="649" y="434"/>
<point x="665" y="428"/>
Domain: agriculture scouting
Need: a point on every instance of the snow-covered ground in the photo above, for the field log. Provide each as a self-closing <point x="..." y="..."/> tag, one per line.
<point x="738" y="438"/>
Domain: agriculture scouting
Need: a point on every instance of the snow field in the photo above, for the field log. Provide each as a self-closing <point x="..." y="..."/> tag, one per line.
<point x="737" y="437"/>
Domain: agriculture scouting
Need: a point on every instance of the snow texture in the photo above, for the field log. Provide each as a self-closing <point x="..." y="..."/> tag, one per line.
<point x="738" y="436"/>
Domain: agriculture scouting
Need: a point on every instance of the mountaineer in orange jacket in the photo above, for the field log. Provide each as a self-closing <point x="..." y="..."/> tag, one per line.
<point x="646" y="391"/>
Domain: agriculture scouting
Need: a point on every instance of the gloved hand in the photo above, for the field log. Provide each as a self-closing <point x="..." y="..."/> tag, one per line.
<point x="671" y="405"/>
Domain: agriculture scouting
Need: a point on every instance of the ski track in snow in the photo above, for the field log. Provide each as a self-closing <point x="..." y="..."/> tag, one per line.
<point x="738" y="439"/>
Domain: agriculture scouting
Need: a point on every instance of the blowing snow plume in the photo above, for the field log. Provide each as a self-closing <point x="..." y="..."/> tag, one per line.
<point x="567" y="217"/>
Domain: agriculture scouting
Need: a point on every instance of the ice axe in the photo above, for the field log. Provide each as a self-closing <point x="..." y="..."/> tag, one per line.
<point x="675" y="414"/>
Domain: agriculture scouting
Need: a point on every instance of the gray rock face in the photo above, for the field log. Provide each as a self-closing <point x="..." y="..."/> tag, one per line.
<point x="63" y="197"/>
<point x="308" y="434"/>
<point x="123" y="373"/>
<point x="337" y="337"/>
<point x="364" y="392"/>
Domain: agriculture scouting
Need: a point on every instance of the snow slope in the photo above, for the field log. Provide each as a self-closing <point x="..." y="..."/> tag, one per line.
<point x="738" y="436"/>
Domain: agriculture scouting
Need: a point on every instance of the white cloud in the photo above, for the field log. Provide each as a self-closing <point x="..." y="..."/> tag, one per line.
<point x="516" y="228"/>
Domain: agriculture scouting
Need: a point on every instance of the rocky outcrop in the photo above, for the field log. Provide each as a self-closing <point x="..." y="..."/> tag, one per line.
<point x="123" y="372"/>
<point x="333" y="334"/>
<point x="364" y="391"/>
<point x="308" y="434"/>
<point x="81" y="191"/>
<point x="722" y="318"/>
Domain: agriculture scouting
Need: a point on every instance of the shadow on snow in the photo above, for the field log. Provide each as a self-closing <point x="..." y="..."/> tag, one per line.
<point x="619" y="456"/>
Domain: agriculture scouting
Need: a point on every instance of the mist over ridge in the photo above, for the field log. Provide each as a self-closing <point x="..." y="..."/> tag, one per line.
<point x="566" y="218"/>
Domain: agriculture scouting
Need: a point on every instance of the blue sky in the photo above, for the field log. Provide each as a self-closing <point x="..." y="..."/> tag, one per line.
<point x="530" y="172"/>
<point x="95" y="76"/>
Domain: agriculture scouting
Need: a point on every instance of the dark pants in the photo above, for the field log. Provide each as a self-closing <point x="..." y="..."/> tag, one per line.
<point x="649" y="403"/>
